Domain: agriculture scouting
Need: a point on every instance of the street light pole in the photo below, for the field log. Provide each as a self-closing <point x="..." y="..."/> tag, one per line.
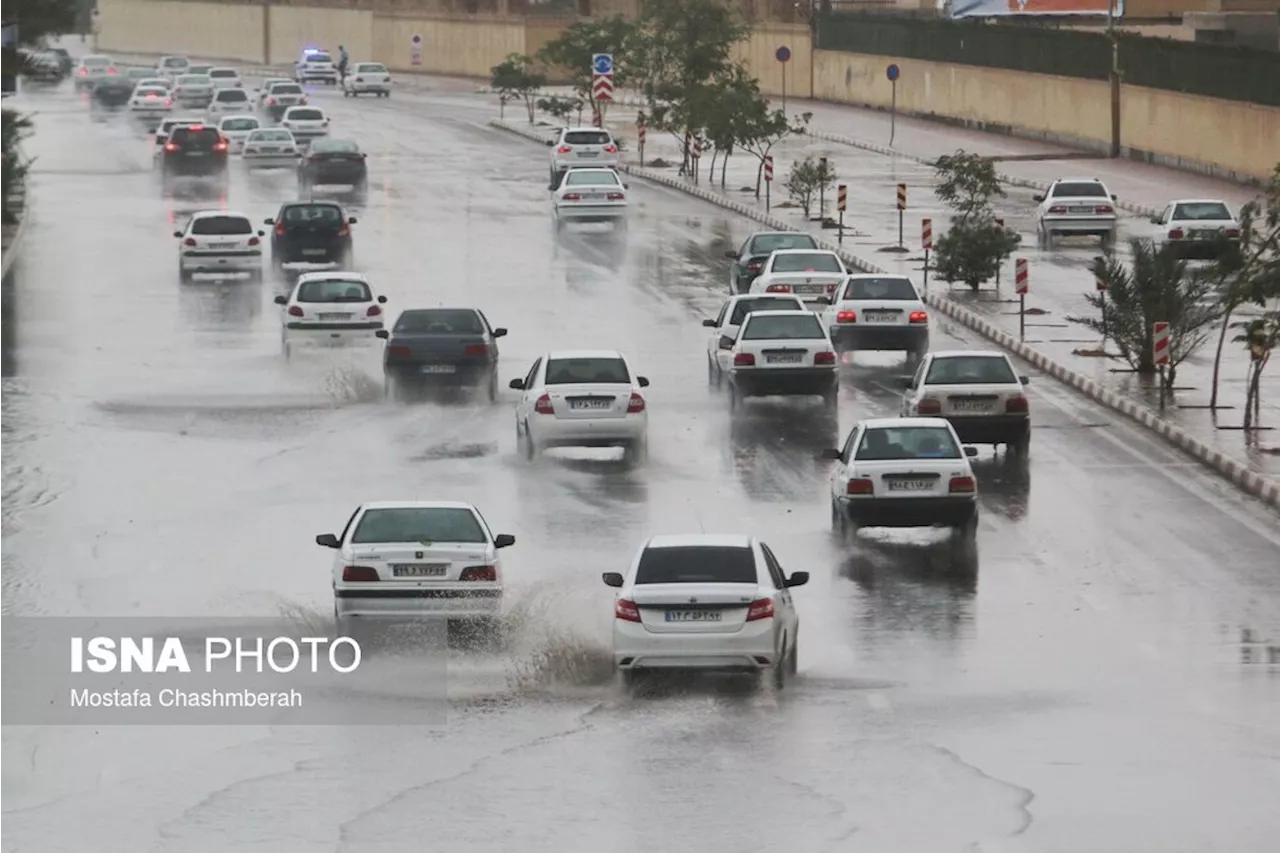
<point x="1114" y="78"/>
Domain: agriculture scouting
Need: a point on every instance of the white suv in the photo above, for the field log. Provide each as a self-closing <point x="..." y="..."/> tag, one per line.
<point x="979" y="393"/>
<point x="581" y="146"/>
<point x="216" y="241"/>
<point x="1076" y="207"/>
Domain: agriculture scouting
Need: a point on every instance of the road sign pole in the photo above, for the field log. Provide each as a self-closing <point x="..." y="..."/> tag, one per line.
<point x="822" y="190"/>
<point x="1100" y="286"/>
<point x="640" y="134"/>
<point x="783" y="55"/>
<point x="784" y="87"/>
<point x="768" y="180"/>
<point x="893" y="73"/>
<point x="926" y="240"/>
<point x="1160" y="346"/>
<point x="842" y="202"/>
<point x="999" y="222"/>
<point x="902" y="208"/>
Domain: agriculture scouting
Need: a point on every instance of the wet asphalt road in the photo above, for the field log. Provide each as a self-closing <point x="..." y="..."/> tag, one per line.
<point x="161" y="458"/>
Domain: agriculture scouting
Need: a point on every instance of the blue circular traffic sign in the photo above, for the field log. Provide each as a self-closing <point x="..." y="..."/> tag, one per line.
<point x="602" y="63"/>
<point x="782" y="54"/>
<point x="892" y="71"/>
<point x="417" y="39"/>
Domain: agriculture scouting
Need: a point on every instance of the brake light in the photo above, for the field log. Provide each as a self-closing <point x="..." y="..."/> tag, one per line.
<point x="1058" y="208"/>
<point x="195" y="127"/>
<point x="344" y="231"/>
<point x="373" y="311"/>
<point x="831" y="288"/>
<point x="860" y="486"/>
<point x="84" y="72"/>
<point x="824" y="358"/>
<point x="399" y="352"/>
<point x="754" y="266"/>
<point x="219" y="146"/>
<point x="304" y="100"/>
<point x="295" y="311"/>
<point x="1104" y="208"/>
<point x="479" y="573"/>
<point x="253" y="241"/>
<point x="359" y="79"/>
<point x="626" y="610"/>
<point x="744" y="359"/>
<point x="761" y="608"/>
<point x="611" y="149"/>
<point x="572" y="196"/>
<point x="190" y="241"/>
<point x="1016" y="405"/>
<point x="1233" y="232"/>
<point x="615" y="196"/>
<point x="111" y="71"/>
<point x="271" y="101"/>
<point x="962" y="485"/>
<point x="279" y="229"/>
<point x="846" y="316"/>
<point x="636" y="404"/>
<point x="928" y="406"/>
<point x="151" y="96"/>
<point x="543" y="406"/>
<point x="778" y="288"/>
<point x="1176" y="234"/>
<point x="476" y="349"/>
<point x="919" y="317"/>
<point x="171" y="146"/>
<point x="168" y="102"/>
<point x="359" y="574"/>
<point x="564" y="149"/>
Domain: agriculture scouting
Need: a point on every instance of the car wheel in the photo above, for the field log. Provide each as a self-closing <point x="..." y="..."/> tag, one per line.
<point x="286" y="350"/>
<point x="637" y="451"/>
<point x="1021" y="446"/>
<point x="530" y="448"/>
<point x="780" y="668"/>
<point x="793" y="659"/>
<point x="492" y="390"/>
<point x="966" y="534"/>
<point x="184" y="275"/>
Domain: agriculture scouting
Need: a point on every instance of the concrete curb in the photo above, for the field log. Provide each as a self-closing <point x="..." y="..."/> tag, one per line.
<point x="1250" y="482"/>
<point x="15" y="245"/>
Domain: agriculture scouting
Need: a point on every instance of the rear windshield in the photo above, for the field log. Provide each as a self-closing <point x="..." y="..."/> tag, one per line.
<point x="908" y="443"/>
<point x="597" y="179"/>
<point x="221" y="225"/>
<point x="746" y="306"/>
<point x="319" y="57"/>
<point x="769" y="243"/>
<point x="880" y="288"/>
<point x="970" y="370"/>
<point x="305" y="114"/>
<point x="370" y="68"/>
<point x="97" y="61"/>
<point x="186" y="137"/>
<point x="231" y="96"/>
<point x="334" y="290"/>
<point x="194" y="80"/>
<point x="419" y="525"/>
<point x="176" y="62"/>
<point x="447" y="321"/>
<point x="310" y="214"/>
<point x="587" y="137"/>
<point x="787" y="326"/>
<point x="155" y="82"/>
<point x="245" y="123"/>
<point x="132" y="73"/>
<point x="286" y="89"/>
<point x="696" y="564"/>
<point x="223" y="72"/>
<point x="150" y="92"/>
<point x="1080" y="189"/>
<point x="1201" y="210"/>
<point x="806" y="262"/>
<point x="167" y="126"/>
<point x="200" y="70"/>
<point x="270" y="136"/>
<point x="335" y="146"/>
<point x="569" y="371"/>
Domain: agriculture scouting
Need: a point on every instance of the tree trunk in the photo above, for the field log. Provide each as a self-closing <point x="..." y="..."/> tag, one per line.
<point x="724" y="167"/>
<point x="759" y="175"/>
<point x="1251" y="395"/>
<point x="1217" y="356"/>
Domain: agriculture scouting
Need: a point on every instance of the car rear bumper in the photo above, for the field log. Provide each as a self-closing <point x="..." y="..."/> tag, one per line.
<point x="784" y="381"/>
<point x="993" y="429"/>
<point x="752" y="647"/>
<point x="332" y="334"/>
<point x="431" y="374"/>
<point x="453" y="601"/>
<point x="1197" y="250"/>
<point x="368" y="87"/>
<point x="602" y="162"/>
<point x="854" y="337"/>
<point x="602" y="212"/>
<point x="336" y="177"/>
<point x="209" y="262"/>
<point x="271" y="161"/>
<point x="1079" y="225"/>
<point x="550" y="431"/>
<point x="316" y="75"/>
<point x="910" y="512"/>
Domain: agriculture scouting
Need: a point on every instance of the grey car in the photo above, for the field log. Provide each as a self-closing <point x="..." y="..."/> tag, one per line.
<point x="749" y="260"/>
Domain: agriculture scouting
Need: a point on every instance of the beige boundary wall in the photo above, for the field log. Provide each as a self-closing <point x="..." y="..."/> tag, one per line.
<point x="1222" y="137"/>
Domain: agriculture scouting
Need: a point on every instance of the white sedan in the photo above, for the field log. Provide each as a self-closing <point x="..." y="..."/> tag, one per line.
<point x="264" y="91"/>
<point x="416" y="560"/>
<point x="726" y="324"/>
<point x="582" y="398"/>
<point x="330" y="309"/>
<point x="229" y="102"/>
<point x="783" y="354"/>
<point x="226" y="78"/>
<point x="808" y="273"/>
<point x="270" y="148"/>
<point x="150" y="105"/>
<point x="236" y="130"/>
<point x="305" y="123"/>
<point x="1197" y="228"/>
<point x="590" y="195"/>
<point x="979" y="393"/>
<point x="219" y="241"/>
<point x="706" y="603"/>
<point x="368" y="78"/>
<point x="1076" y="207"/>
<point x="154" y="83"/>
<point x="878" y="312"/>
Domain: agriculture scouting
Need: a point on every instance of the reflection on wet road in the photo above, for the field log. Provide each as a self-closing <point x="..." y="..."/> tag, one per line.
<point x="162" y="458"/>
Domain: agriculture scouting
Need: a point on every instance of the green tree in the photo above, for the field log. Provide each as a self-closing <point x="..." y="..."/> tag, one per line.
<point x="560" y="107"/>
<point x="975" y="245"/>
<point x="808" y="177"/>
<point x="39" y="20"/>
<point x="761" y="128"/>
<point x="572" y="51"/>
<point x="516" y="79"/>
<point x="16" y="127"/>
<point x="1158" y="287"/>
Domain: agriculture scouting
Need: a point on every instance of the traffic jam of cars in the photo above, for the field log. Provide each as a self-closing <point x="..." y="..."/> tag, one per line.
<point x="793" y="318"/>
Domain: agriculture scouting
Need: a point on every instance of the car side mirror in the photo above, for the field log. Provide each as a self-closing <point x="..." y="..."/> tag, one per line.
<point x="268" y="222"/>
<point x="907" y="382"/>
<point x="831" y="453"/>
<point x="382" y="333"/>
<point x="151" y="131"/>
<point x="971" y="452"/>
<point x="328" y="540"/>
<point x="280" y="300"/>
<point x="642" y="381"/>
<point x="1038" y="197"/>
<point x="797" y="579"/>
<point x="823" y="300"/>
<point x="262" y="233"/>
<point x="613" y="579"/>
<point x="733" y="256"/>
<point x="504" y="540"/>
<point x="550" y="142"/>
<point x="499" y="333"/>
<point x="517" y="384"/>
<point x="1114" y="197"/>
<point x="382" y="299"/>
<point x="351" y="220"/>
<point x="710" y="324"/>
<point x="177" y="234"/>
<point x="1025" y="380"/>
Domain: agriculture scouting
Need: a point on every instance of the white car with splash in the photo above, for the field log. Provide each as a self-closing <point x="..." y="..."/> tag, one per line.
<point x="368" y="78"/>
<point x="878" y="312"/>
<point x="808" y="273"/>
<point x="590" y="195"/>
<point x="330" y="309"/>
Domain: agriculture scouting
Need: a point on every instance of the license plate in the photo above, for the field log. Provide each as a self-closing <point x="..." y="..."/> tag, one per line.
<point x="431" y="571"/>
<point x="1080" y="209"/>
<point x="588" y="153"/>
<point x="693" y="616"/>
<point x="439" y="368"/>
<point x="909" y="485"/>
<point x="273" y="149"/>
<point x="314" y="252"/>
<point x="335" y="316"/>
<point x="1201" y="235"/>
<point x="590" y="404"/>
<point x="879" y="317"/>
<point x="972" y="406"/>
<point x="197" y="154"/>
<point x="221" y="245"/>
<point x="811" y="288"/>
<point x="784" y="359"/>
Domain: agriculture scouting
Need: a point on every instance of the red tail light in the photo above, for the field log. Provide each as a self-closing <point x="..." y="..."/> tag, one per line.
<point x="344" y="231"/>
<point x="359" y="574"/>
<point x="271" y="101"/>
<point x="962" y="485"/>
<point x="151" y="96"/>
<point x="1058" y="208"/>
<point x="359" y="79"/>
<point x="190" y="241"/>
<point x="112" y="71"/>
<point x="168" y="102"/>
<point x="824" y="358"/>
<point x="304" y="100"/>
<point x="831" y="288"/>
<point x="635" y="405"/>
<point x="615" y="196"/>
<point x="476" y="349"/>
<point x="1233" y="232"/>
<point x="195" y="127"/>
<point x="626" y="610"/>
<point x="744" y="359"/>
<point x="399" y="352"/>
<point x="761" y="608"/>
<point x="928" y="406"/>
<point x="846" y="316"/>
<point x="543" y="406"/>
<point x="170" y="146"/>
<point x="564" y="149"/>
<point x="919" y="317"/>
<point x="219" y="146"/>
<point x="1104" y="208"/>
<point x="254" y="241"/>
<point x="754" y="266"/>
<point x="778" y="288"/>
<point x="84" y="72"/>
<point x="279" y="229"/>
<point x="1016" y="405"/>
<point x="373" y="311"/>
<point x="479" y="573"/>
<point x="572" y="196"/>
<point x="1176" y="234"/>
<point x="611" y="149"/>
<point x="295" y="311"/>
<point x="860" y="486"/>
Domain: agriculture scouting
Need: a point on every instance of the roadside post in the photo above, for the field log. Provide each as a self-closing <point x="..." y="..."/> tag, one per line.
<point x="902" y="207"/>
<point x="415" y="50"/>
<point x="601" y="83"/>
<point x="926" y="240"/>
<point x="695" y="151"/>
<point x="768" y="180"/>
<point x="822" y="191"/>
<point x="783" y="55"/>
<point x="999" y="264"/>
<point x="842" y="202"/>
<point x="1021" y="285"/>
<point x="640" y="134"/>
<point x="1100" y="286"/>
<point x="893" y="73"/>
<point x="1160" y="352"/>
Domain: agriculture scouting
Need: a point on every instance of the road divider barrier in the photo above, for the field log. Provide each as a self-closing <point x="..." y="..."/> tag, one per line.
<point x="1234" y="471"/>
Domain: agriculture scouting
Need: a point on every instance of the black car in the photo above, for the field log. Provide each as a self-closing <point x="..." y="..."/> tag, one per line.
<point x="112" y="94"/>
<point x="311" y="232"/>
<point x="452" y="347"/>
<point x="749" y="260"/>
<point x="334" y="162"/>
<point x="65" y="62"/>
<point x="193" y="151"/>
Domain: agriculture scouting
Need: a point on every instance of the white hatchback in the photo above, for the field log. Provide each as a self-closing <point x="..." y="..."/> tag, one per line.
<point x="330" y="309"/>
<point x="726" y="324"/>
<point x="226" y="78"/>
<point x="219" y="241"/>
<point x="808" y="273"/>
<point x="979" y="393"/>
<point x="416" y="560"/>
<point x="236" y="129"/>
<point x="582" y="398"/>
<point x="878" y="312"/>
<point x="707" y="603"/>
<point x="305" y="123"/>
<point x="590" y="195"/>
<point x="229" y="102"/>
<point x="368" y="78"/>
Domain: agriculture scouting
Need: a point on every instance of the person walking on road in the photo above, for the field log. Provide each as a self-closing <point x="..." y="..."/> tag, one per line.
<point x="342" y="63"/>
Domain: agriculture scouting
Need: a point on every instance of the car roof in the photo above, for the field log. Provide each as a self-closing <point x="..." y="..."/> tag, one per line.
<point x="1199" y="201"/>
<point x="781" y="312"/>
<point x="693" y="540"/>
<point x="303" y="107"/>
<point x="608" y="169"/>
<point x="332" y="275"/>
<point x="956" y="353"/>
<point x="209" y="214"/>
<point x="1079" y="181"/>
<point x="223" y="68"/>
<point x="439" y="308"/>
<point x="817" y="250"/>
<point x="888" y="423"/>
<point x="583" y="127"/>
<point x="556" y="355"/>
<point x="242" y="118"/>
<point x="738" y="297"/>
<point x="755" y="234"/>
<point x="864" y="275"/>
<point x="417" y="505"/>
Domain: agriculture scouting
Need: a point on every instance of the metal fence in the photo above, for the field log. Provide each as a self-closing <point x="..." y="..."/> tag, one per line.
<point x="1215" y="71"/>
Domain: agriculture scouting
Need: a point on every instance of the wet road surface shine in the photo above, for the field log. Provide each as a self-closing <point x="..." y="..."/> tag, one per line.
<point x="162" y="458"/>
